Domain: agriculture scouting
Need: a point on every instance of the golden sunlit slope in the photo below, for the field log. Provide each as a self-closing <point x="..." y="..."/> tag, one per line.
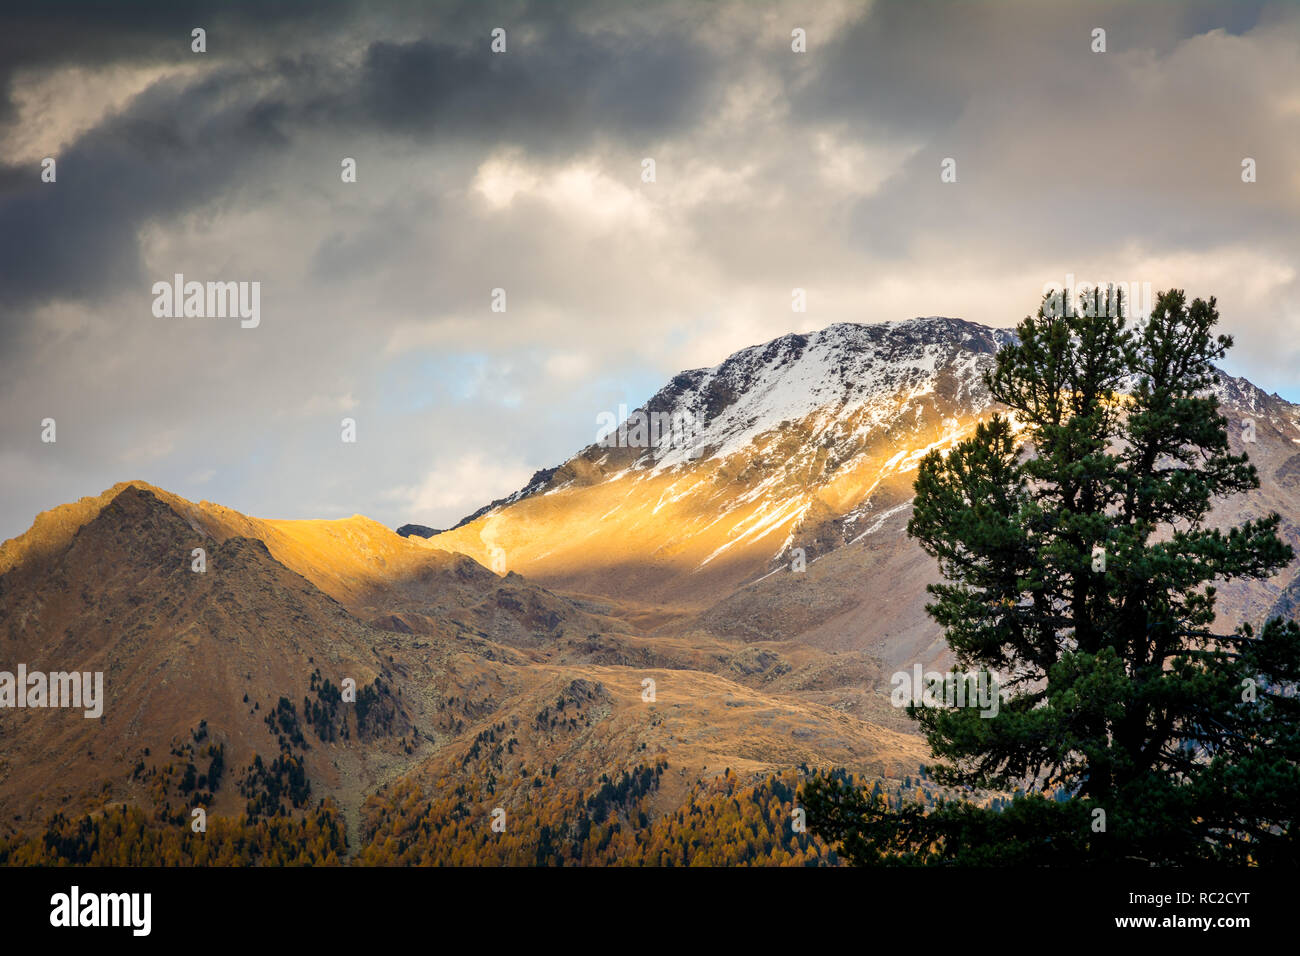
<point x="346" y="558"/>
<point x="686" y="536"/>
<point x="365" y="566"/>
<point x="350" y="559"/>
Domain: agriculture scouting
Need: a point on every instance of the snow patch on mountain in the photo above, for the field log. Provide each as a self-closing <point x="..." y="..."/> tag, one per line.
<point x="845" y="371"/>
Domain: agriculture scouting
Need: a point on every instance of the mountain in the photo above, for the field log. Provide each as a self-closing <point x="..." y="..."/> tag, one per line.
<point x="188" y="658"/>
<point x="806" y="442"/>
<point x="221" y="684"/>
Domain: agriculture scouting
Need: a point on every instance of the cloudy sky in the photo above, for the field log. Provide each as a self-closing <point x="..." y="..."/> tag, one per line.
<point x="522" y="171"/>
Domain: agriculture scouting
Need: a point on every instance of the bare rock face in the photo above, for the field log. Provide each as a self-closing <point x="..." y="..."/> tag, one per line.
<point x="419" y="530"/>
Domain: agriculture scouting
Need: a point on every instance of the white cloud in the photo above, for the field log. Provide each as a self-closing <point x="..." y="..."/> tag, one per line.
<point x="452" y="489"/>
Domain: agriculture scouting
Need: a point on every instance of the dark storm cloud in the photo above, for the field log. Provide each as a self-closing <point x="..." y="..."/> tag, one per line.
<point x="173" y="149"/>
<point x="178" y="146"/>
<point x="78" y="238"/>
<point x="556" y="91"/>
<point x="95" y="33"/>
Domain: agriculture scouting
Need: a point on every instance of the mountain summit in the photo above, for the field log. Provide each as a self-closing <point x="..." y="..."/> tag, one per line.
<point x="799" y="442"/>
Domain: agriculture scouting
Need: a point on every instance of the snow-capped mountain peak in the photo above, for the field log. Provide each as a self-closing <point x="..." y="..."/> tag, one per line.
<point x="844" y="373"/>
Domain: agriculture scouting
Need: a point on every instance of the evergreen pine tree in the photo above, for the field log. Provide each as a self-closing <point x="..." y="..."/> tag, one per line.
<point x="1071" y="531"/>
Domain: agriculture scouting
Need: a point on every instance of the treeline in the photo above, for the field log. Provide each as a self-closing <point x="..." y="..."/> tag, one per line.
<point x="723" y="822"/>
<point x="129" y="836"/>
